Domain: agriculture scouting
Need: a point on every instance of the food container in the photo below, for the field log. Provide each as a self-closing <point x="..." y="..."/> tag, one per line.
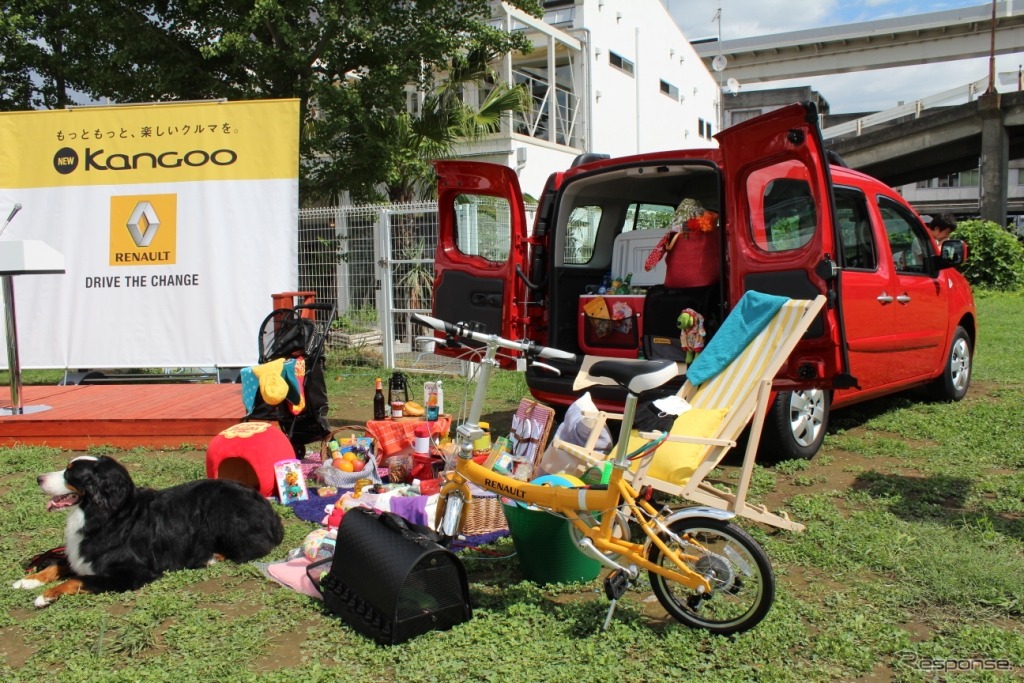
<point x="400" y="468"/>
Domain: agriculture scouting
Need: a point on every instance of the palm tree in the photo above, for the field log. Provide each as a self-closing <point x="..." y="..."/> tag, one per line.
<point x="444" y="120"/>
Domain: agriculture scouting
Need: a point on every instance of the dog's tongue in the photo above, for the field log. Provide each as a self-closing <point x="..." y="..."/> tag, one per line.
<point x="58" y="502"/>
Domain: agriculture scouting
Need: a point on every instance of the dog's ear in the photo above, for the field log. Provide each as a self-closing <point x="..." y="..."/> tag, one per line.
<point x="112" y="486"/>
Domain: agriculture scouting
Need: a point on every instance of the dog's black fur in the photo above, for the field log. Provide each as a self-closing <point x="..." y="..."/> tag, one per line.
<point x="122" y="537"/>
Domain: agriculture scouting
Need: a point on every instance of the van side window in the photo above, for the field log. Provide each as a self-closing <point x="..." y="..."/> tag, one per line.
<point x="483" y="226"/>
<point x="857" y="241"/>
<point x="909" y="247"/>
<point x="647" y="217"/>
<point x="782" y="211"/>
<point x="580" y="234"/>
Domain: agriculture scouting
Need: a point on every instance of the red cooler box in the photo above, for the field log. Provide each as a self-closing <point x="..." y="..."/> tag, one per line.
<point x="619" y="336"/>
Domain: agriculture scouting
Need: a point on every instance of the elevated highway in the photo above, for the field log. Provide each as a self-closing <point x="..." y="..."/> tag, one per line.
<point x="987" y="132"/>
<point x="984" y="133"/>
<point x="945" y="36"/>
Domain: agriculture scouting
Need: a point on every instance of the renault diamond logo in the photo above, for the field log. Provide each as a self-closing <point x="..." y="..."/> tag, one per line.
<point x="143" y="224"/>
<point x="143" y="229"/>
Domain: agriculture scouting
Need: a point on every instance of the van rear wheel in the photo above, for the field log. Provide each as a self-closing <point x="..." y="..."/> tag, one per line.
<point x="955" y="380"/>
<point x="795" y="425"/>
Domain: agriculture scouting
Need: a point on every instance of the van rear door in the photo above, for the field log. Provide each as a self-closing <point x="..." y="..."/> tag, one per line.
<point x="781" y="227"/>
<point x="482" y="241"/>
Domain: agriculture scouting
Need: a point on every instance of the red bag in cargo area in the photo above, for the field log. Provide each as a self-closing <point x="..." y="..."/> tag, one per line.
<point x="692" y="259"/>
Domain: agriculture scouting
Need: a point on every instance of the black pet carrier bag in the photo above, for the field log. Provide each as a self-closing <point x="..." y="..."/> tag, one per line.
<point x="390" y="582"/>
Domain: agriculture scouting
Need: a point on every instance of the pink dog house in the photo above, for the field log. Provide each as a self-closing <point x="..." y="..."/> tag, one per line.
<point x="246" y="453"/>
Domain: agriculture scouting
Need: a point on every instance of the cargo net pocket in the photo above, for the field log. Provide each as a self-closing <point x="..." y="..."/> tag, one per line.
<point x="621" y="333"/>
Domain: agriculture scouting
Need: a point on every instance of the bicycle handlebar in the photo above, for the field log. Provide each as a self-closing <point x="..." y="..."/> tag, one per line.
<point x="527" y="347"/>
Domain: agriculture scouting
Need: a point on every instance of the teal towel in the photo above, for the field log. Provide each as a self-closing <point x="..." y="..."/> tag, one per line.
<point x="250" y="385"/>
<point x="753" y="311"/>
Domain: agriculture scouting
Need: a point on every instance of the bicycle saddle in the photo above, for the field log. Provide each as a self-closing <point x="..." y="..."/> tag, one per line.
<point x="635" y="376"/>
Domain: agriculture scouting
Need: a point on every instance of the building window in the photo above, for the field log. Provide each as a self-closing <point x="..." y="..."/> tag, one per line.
<point x="620" y="62"/>
<point x="670" y="90"/>
<point x="704" y="128"/>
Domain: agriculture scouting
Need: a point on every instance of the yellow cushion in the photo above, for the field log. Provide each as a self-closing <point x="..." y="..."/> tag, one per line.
<point x="675" y="462"/>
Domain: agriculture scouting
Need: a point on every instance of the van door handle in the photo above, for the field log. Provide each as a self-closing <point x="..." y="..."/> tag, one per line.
<point x="903" y="299"/>
<point x="884" y="298"/>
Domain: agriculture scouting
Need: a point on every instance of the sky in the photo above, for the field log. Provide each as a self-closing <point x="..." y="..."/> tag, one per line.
<point x="874" y="90"/>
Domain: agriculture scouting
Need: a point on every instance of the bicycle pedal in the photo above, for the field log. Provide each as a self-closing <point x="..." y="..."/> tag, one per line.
<point x="616" y="584"/>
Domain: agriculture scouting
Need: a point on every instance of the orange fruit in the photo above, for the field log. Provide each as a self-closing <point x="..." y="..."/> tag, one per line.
<point x="350" y="456"/>
<point x="344" y="465"/>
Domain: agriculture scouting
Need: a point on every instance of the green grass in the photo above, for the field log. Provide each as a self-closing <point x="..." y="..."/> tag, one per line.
<point x="913" y="554"/>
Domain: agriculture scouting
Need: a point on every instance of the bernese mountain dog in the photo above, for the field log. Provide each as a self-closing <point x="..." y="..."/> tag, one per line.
<point x="120" y="537"/>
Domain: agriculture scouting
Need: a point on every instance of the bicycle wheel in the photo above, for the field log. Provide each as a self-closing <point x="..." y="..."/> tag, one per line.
<point x="743" y="586"/>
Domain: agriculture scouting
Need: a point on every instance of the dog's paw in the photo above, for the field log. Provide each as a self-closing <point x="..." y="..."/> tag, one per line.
<point x="43" y="601"/>
<point x="26" y="584"/>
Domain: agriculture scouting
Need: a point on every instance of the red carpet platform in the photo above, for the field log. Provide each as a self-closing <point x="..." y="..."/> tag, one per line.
<point x="122" y="415"/>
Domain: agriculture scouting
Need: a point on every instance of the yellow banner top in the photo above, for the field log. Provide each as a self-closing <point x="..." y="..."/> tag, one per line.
<point x="156" y="143"/>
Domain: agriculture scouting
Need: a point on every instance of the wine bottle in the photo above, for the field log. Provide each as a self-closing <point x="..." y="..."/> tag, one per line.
<point x="379" y="413"/>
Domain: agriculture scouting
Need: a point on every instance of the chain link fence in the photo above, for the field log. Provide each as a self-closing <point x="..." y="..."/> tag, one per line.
<point x="377" y="263"/>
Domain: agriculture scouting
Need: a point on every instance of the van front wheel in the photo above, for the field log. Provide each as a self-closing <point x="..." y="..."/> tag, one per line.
<point x="795" y="425"/>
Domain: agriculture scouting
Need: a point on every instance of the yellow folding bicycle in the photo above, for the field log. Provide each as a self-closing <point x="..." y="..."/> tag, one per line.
<point x="705" y="571"/>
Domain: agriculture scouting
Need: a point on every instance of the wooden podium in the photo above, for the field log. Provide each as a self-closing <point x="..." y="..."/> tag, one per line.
<point x="22" y="257"/>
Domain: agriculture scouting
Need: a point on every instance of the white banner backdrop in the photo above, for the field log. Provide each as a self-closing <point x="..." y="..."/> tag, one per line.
<point x="177" y="223"/>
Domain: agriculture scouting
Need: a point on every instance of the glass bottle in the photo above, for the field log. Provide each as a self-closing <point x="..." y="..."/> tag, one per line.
<point x="379" y="412"/>
<point x="626" y="285"/>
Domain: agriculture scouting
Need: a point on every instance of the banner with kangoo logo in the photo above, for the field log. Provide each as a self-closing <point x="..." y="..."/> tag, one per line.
<point x="177" y="223"/>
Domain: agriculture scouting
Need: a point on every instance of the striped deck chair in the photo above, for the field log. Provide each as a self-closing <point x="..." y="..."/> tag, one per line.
<point x="727" y="387"/>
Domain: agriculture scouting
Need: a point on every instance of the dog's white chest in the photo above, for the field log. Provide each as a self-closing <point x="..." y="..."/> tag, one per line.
<point x="73" y="543"/>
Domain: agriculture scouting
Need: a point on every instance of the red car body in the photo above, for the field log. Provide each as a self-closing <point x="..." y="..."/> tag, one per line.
<point x="788" y="223"/>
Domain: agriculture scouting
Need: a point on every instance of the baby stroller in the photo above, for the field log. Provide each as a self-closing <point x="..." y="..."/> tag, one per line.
<point x="298" y="332"/>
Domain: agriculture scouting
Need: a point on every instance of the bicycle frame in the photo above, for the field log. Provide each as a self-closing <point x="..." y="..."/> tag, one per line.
<point x="569" y="502"/>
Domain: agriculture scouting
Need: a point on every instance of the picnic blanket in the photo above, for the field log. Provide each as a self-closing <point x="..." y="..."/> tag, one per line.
<point x="418" y="509"/>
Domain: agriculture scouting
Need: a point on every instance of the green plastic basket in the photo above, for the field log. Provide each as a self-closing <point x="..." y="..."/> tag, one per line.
<point x="545" y="548"/>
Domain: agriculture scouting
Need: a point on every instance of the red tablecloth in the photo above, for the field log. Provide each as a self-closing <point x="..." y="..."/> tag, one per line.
<point x="394" y="436"/>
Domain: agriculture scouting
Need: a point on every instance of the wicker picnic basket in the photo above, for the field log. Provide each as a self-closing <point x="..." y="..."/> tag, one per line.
<point x="485" y="516"/>
<point x="338" y="478"/>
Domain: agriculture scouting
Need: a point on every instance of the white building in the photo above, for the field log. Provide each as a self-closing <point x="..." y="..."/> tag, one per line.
<point x="606" y="76"/>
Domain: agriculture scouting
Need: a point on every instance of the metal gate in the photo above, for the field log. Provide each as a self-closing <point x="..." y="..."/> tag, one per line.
<point x="377" y="263"/>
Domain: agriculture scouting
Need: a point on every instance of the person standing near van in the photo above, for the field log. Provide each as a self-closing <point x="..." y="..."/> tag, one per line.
<point x="940" y="226"/>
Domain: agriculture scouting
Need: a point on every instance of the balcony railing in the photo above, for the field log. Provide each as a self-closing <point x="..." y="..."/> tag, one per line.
<point x="537" y="122"/>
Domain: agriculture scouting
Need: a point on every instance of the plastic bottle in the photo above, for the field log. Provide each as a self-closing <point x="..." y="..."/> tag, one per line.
<point x="379" y="412"/>
<point x="433" y="400"/>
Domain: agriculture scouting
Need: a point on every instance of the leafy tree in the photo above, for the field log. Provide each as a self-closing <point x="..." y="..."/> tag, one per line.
<point x="349" y="62"/>
<point x="995" y="259"/>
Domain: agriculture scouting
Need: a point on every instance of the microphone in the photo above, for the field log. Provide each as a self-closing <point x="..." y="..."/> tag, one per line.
<point x="10" y="217"/>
